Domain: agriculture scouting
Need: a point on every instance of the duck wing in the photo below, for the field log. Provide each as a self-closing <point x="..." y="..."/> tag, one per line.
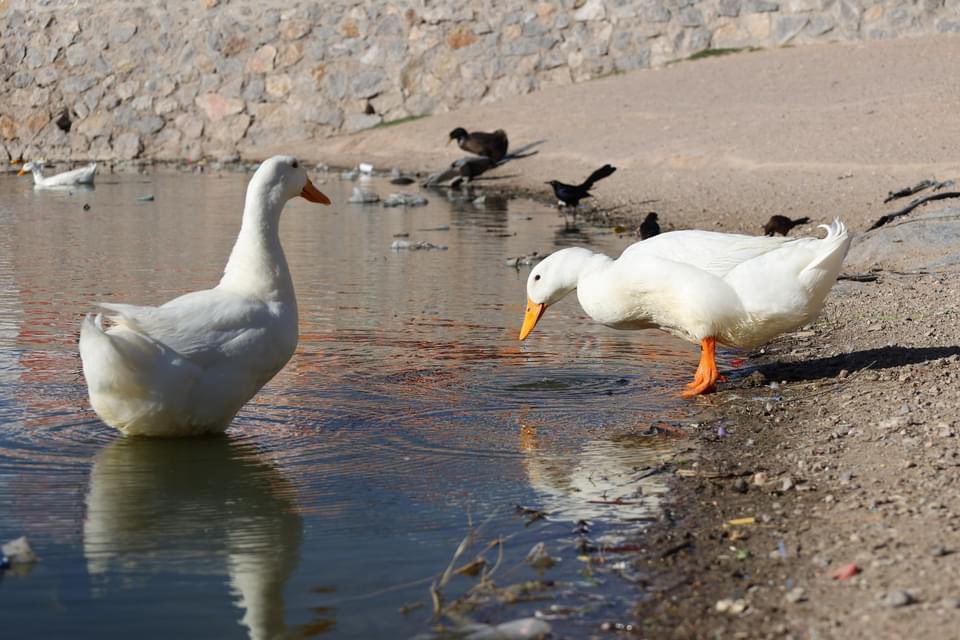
<point x="715" y="253"/>
<point x="202" y="326"/>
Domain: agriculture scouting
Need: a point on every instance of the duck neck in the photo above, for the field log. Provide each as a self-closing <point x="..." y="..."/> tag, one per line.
<point x="585" y="263"/>
<point x="257" y="265"/>
<point x="578" y="265"/>
<point x="37" y="174"/>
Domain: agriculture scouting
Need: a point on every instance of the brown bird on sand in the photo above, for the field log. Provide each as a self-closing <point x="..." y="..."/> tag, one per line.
<point x="649" y="227"/>
<point x="782" y="225"/>
<point x="489" y="145"/>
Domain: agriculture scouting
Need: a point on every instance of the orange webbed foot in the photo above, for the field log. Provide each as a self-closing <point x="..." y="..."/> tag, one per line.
<point x="706" y="377"/>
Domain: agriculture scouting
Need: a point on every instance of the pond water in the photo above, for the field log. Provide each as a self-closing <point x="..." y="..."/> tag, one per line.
<point x="409" y="416"/>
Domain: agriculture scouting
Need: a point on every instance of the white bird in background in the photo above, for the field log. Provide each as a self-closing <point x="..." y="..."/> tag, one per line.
<point x="82" y="176"/>
<point x="702" y="286"/>
<point x="188" y="366"/>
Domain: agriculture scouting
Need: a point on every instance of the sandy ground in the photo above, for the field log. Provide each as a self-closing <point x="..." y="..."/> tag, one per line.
<point x="821" y="130"/>
<point x="852" y="455"/>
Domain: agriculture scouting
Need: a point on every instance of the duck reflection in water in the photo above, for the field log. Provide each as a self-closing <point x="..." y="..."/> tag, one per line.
<point x="158" y="506"/>
<point x="606" y="479"/>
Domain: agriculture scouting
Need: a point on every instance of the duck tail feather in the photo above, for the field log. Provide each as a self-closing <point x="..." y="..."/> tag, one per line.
<point x="835" y="229"/>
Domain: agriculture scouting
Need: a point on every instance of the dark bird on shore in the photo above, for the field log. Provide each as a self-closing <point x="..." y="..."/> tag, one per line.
<point x="782" y="225"/>
<point x="649" y="227"/>
<point x="489" y="145"/>
<point x="571" y="195"/>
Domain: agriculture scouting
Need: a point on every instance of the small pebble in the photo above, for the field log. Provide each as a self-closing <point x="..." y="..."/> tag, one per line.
<point x="797" y="594"/>
<point x="86" y="206"/>
<point x="733" y="607"/>
<point x="898" y="598"/>
<point x="950" y="603"/>
<point x="939" y="551"/>
<point x="740" y="485"/>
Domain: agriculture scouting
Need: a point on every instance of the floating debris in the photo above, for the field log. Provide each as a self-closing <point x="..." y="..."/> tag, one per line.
<point x="523" y="261"/>
<point x="362" y="195"/>
<point x="146" y="198"/>
<point x="398" y="178"/>
<point x="412" y="245"/>
<point x="86" y="206"/>
<point x="443" y="227"/>
<point x="538" y="558"/>
<point x="365" y="168"/>
<point x="403" y="199"/>
<point x="739" y="522"/>
<point x="522" y="629"/>
<point x="18" y="551"/>
<point x="351" y="175"/>
<point x="472" y="568"/>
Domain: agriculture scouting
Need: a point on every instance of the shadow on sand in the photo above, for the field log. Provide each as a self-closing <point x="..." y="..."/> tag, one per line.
<point x="880" y="358"/>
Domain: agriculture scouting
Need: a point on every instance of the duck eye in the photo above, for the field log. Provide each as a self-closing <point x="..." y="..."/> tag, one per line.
<point x="295" y="164"/>
<point x="536" y="277"/>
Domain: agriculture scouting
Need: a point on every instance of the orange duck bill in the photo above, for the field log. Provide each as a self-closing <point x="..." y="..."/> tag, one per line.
<point x="531" y="317"/>
<point x="313" y="194"/>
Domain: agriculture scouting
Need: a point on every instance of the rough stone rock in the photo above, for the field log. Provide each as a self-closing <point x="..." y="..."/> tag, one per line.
<point x="591" y="10"/>
<point x="360" y="121"/>
<point x="216" y="107"/>
<point x="8" y="127"/>
<point x="36" y="122"/>
<point x="122" y="32"/>
<point x="294" y="29"/>
<point x="127" y="146"/>
<point x="278" y="85"/>
<point x="324" y="114"/>
<point x="190" y="125"/>
<point x="786" y="28"/>
<point x="262" y="61"/>
<point x="760" y="6"/>
<point x="149" y="125"/>
<point x="230" y="129"/>
<point x="929" y="240"/>
<point x="367" y="84"/>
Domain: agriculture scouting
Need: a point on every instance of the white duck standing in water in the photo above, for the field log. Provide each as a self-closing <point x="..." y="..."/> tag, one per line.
<point x="82" y="176"/>
<point x="702" y="286"/>
<point x="187" y="366"/>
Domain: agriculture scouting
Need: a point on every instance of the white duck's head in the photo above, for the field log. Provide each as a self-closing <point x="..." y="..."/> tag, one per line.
<point x="34" y="165"/>
<point x="552" y="280"/>
<point x="280" y="179"/>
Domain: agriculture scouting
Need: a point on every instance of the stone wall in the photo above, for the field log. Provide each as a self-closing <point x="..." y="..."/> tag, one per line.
<point x="172" y="79"/>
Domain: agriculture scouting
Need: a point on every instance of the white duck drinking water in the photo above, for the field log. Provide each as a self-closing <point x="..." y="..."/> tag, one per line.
<point x="82" y="176"/>
<point x="187" y="366"/>
<point x="702" y="286"/>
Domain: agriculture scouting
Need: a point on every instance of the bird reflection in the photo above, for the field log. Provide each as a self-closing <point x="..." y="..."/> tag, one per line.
<point x="162" y="505"/>
<point x="601" y="479"/>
